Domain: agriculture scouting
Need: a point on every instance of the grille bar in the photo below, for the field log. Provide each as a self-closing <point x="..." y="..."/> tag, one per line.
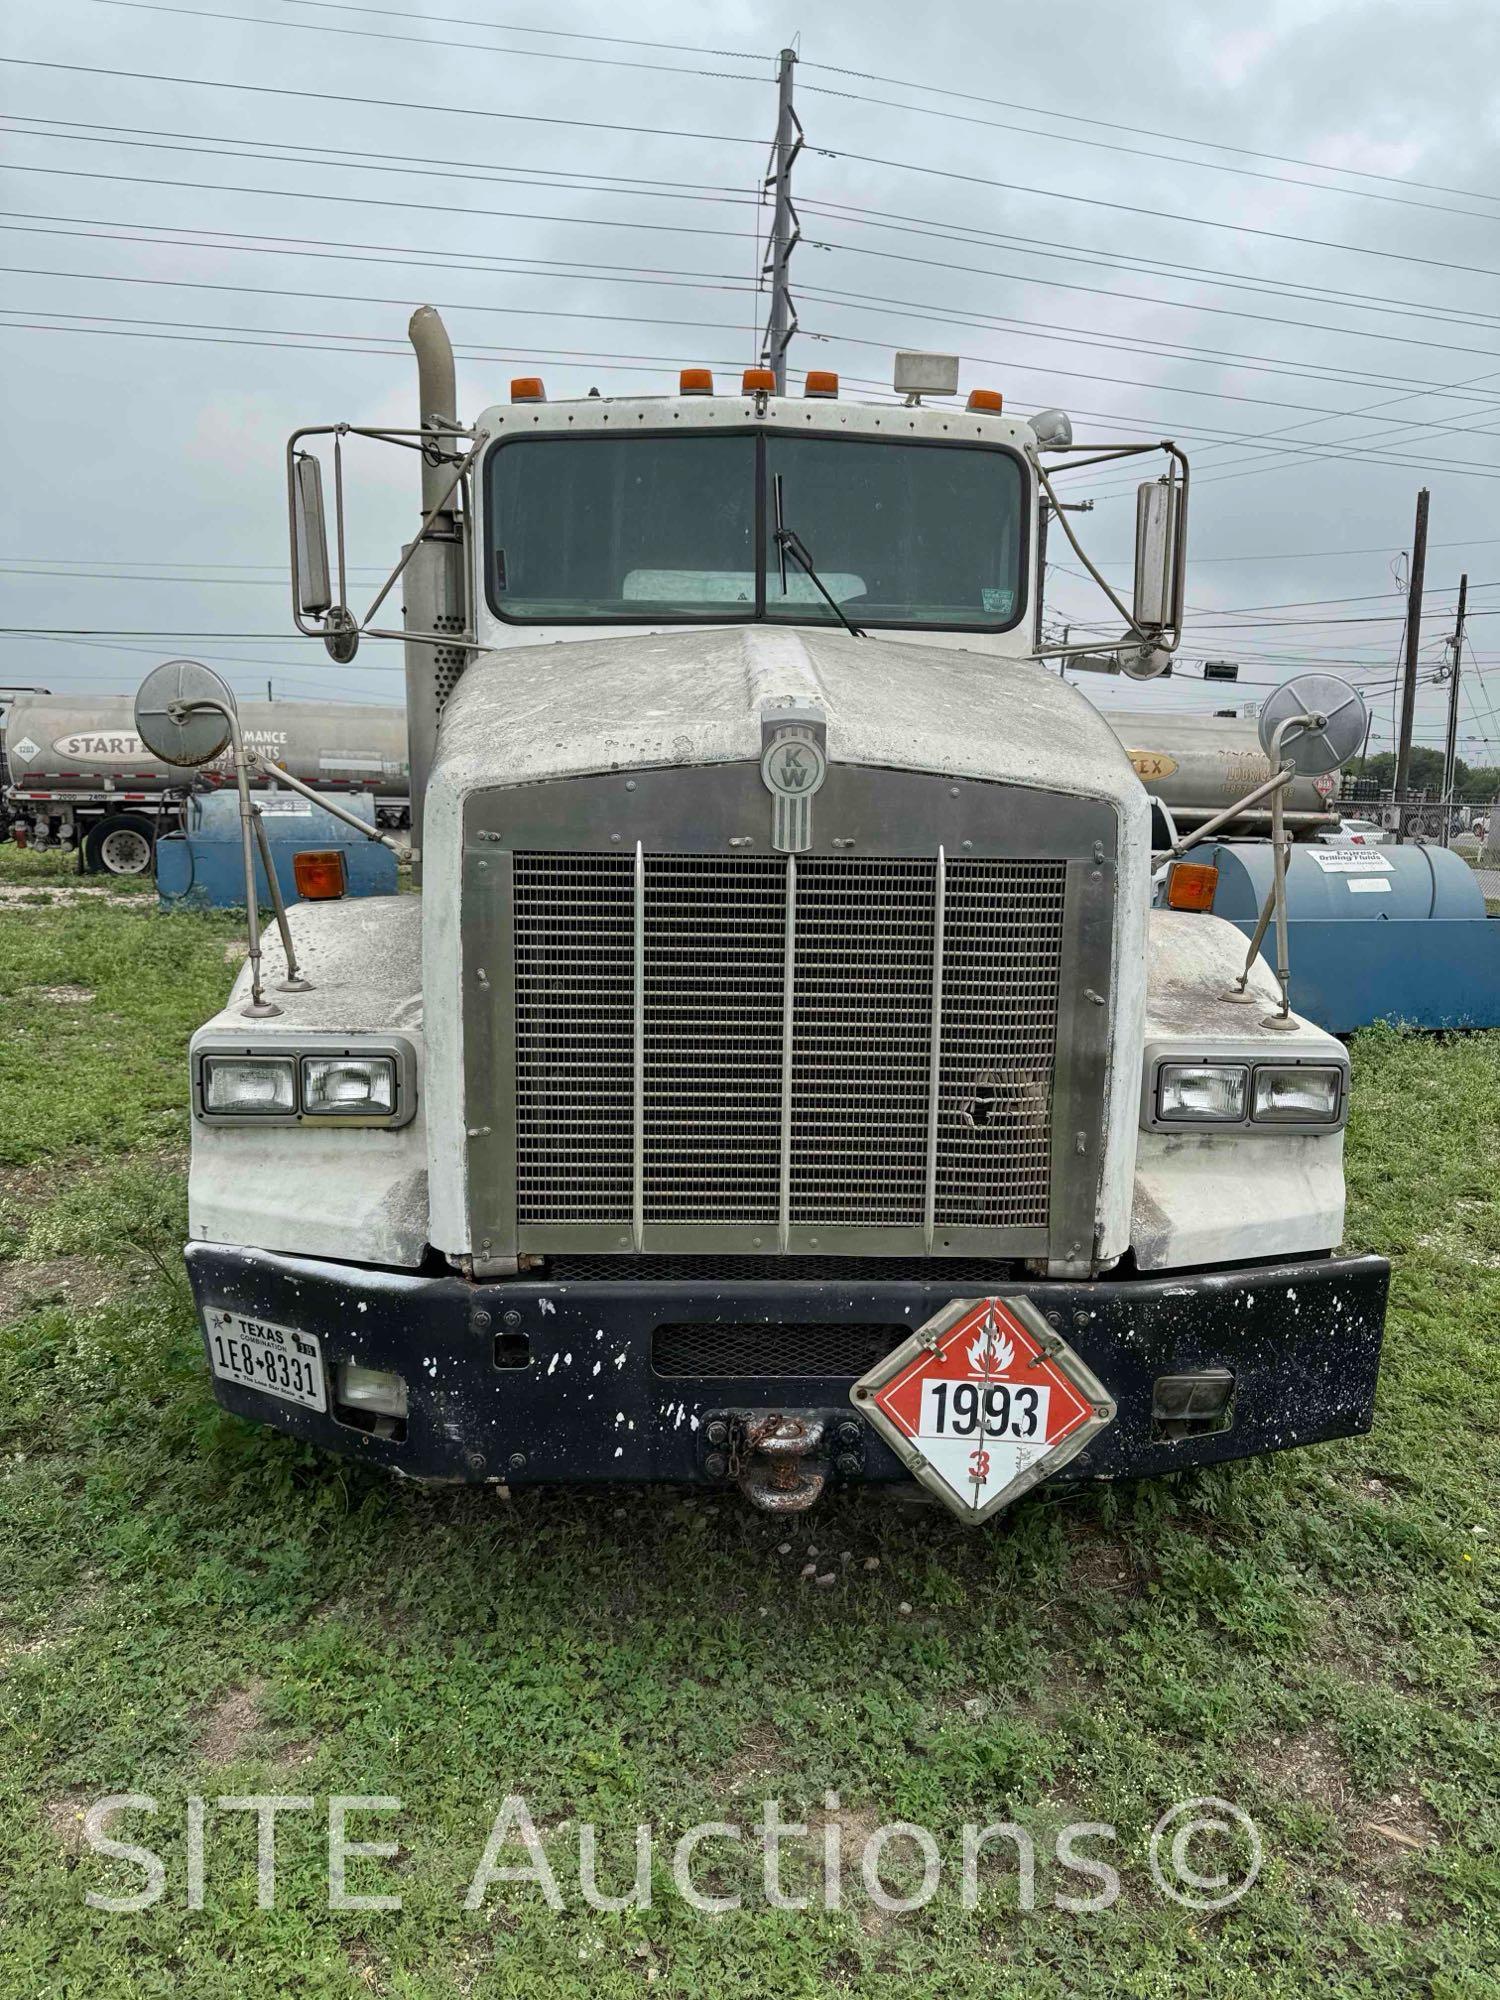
<point x="781" y="1044"/>
<point x="934" y="1054"/>
<point x="638" y="1133"/>
<point x="788" y="1043"/>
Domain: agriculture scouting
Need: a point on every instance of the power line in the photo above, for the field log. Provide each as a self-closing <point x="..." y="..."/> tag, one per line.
<point x="436" y="41"/>
<point x="1238" y="361"/>
<point x="1298" y="603"/>
<point x="1112" y="125"/>
<point x="1267" y="460"/>
<point x="345" y="298"/>
<point x="309" y="341"/>
<point x="156" y="139"/>
<point x="1310" y="555"/>
<point x="313" y="343"/>
<point x="562" y="34"/>
<point x="380" y="103"/>
<point x="1129" y="263"/>
<point x="264" y="243"/>
<point x="128" y="562"/>
<point x="722" y="138"/>
<point x="379" y="201"/>
<point x="726" y="194"/>
<point x="554" y="55"/>
<point x="1132" y="152"/>
<point x="310" y="346"/>
<point x="847" y="301"/>
<point x="141" y="576"/>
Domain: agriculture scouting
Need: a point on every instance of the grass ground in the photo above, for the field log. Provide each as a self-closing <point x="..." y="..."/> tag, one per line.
<point x="193" y="1607"/>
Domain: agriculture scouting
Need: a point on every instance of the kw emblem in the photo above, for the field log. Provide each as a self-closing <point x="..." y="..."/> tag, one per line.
<point x="793" y="766"/>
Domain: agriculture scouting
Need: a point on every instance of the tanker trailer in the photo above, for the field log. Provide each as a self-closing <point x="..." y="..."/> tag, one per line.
<point x="80" y="777"/>
<point x="1199" y="764"/>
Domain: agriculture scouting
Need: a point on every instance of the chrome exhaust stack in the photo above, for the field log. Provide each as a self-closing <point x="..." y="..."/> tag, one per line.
<point x="436" y="594"/>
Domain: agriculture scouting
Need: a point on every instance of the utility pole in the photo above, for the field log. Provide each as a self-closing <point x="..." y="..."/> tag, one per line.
<point x="1413" y="636"/>
<point x="1043" y="516"/>
<point x="1450" y="747"/>
<point x="785" y="228"/>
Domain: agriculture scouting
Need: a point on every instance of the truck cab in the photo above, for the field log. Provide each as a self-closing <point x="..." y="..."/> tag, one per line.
<point x="783" y="1076"/>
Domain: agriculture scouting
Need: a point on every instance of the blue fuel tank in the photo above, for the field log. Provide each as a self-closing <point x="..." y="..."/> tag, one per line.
<point x="202" y="867"/>
<point x="1374" y="933"/>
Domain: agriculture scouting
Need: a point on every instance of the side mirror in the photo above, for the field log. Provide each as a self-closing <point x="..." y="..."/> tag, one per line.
<point x="184" y="713"/>
<point x="1160" y="555"/>
<point x="311" y="582"/>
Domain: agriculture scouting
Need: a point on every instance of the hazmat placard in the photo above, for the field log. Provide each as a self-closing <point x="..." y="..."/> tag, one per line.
<point x="984" y="1401"/>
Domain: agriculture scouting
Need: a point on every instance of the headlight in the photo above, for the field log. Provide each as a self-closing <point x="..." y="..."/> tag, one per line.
<point x="359" y="1082"/>
<point x="1297" y="1093"/>
<point x="348" y="1086"/>
<point x="249" y="1086"/>
<point x="1202" y="1093"/>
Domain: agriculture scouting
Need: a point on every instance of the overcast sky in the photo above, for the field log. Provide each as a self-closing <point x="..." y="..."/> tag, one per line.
<point x="1315" y="323"/>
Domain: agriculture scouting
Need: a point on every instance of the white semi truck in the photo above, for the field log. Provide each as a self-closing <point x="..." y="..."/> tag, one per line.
<point x="783" y="1076"/>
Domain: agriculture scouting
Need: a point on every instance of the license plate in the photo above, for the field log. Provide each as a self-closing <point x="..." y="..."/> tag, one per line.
<point x="258" y="1354"/>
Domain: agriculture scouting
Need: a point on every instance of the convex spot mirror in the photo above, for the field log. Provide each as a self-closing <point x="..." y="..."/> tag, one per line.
<point x="1340" y="730"/>
<point x="169" y="721"/>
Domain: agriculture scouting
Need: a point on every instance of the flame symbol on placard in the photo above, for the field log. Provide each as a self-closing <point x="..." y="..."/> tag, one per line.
<point x="992" y="1354"/>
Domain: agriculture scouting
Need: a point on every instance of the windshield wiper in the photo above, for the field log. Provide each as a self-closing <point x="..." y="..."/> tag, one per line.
<point x="789" y="543"/>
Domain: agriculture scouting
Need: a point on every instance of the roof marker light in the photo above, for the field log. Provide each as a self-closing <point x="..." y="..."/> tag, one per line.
<point x="527" y="389"/>
<point x="761" y="380"/>
<point x="696" y="382"/>
<point x="820" y="382"/>
<point x="987" y="399"/>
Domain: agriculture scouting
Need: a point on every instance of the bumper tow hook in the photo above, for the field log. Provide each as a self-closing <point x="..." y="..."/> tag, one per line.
<point x="775" y="1473"/>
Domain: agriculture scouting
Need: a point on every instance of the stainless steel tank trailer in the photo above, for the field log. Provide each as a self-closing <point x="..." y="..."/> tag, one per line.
<point x="75" y="774"/>
<point x="783" y="1077"/>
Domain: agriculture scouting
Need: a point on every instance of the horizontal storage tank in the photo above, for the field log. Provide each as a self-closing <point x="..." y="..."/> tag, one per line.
<point x="1374" y="933"/>
<point x="82" y="743"/>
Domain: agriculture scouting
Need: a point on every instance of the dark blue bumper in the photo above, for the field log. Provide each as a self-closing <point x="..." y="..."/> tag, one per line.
<point x="542" y="1378"/>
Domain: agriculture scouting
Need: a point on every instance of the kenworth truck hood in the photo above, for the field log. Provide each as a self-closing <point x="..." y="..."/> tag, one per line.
<point x="549" y="711"/>
<point x="530" y="714"/>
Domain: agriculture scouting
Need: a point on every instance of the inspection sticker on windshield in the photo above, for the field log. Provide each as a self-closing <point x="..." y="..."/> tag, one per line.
<point x="983" y="1402"/>
<point x="1001" y="602"/>
<point x="258" y="1354"/>
<point x="1350" y="860"/>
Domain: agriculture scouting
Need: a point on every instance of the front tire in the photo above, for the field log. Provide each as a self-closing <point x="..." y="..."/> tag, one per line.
<point x="121" y="844"/>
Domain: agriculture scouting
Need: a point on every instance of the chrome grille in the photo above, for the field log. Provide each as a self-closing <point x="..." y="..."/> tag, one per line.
<point x="575" y="1033"/>
<point x="862" y="1030"/>
<point x="997" y="1044"/>
<point x="776" y="1043"/>
<point x="715" y="941"/>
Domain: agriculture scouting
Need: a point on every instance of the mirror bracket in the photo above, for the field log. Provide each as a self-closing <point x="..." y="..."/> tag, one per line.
<point x="1148" y="645"/>
<point x="320" y="587"/>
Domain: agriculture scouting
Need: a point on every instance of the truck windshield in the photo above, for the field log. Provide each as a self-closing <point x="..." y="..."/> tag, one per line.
<point x="679" y="529"/>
